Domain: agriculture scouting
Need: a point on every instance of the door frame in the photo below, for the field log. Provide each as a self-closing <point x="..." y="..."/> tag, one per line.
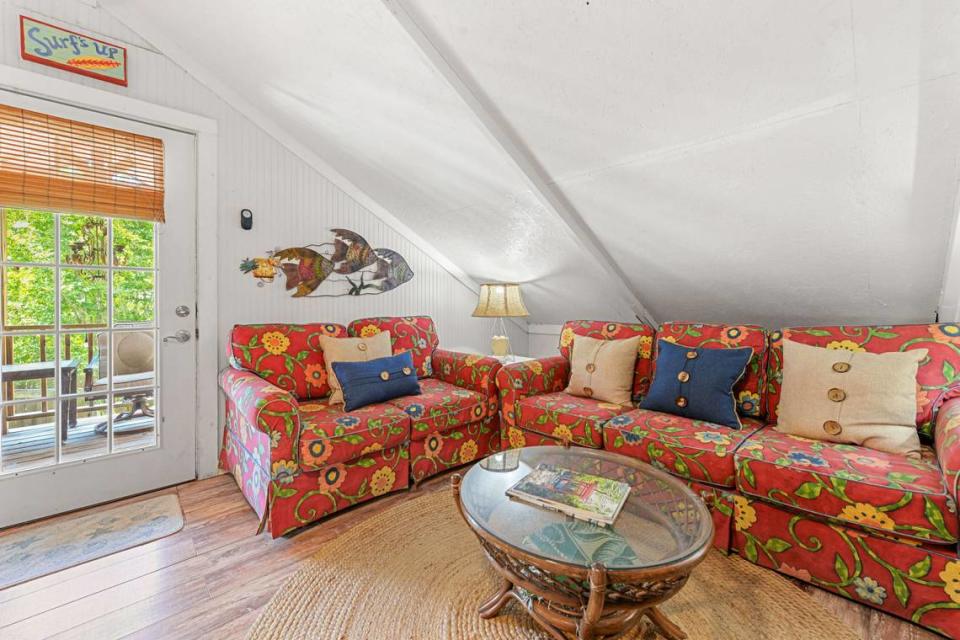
<point x="207" y="315"/>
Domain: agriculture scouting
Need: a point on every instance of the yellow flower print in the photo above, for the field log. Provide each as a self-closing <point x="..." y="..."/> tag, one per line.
<point x="749" y="403"/>
<point x="745" y="516"/>
<point x="670" y="339"/>
<point x="468" y="451"/>
<point x="566" y="337"/>
<point x="562" y="432"/>
<point x="370" y="448"/>
<point x="645" y="348"/>
<point x="382" y="481"/>
<point x="283" y="471"/>
<point x="471" y="360"/>
<point x="845" y="345"/>
<point x="275" y="342"/>
<point x="313" y="406"/>
<point x="951" y="579"/>
<point x="536" y="366"/>
<point x="368" y="331"/>
<point x="867" y="514"/>
<point x="515" y="436"/>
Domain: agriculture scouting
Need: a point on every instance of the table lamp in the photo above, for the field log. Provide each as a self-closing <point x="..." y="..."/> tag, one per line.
<point x="500" y="300"/>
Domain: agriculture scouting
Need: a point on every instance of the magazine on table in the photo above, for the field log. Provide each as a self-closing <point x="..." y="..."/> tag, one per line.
<point x="581" y="495"/>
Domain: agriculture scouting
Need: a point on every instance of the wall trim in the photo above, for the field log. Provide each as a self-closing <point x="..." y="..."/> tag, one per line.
<point x="205" y="131"/>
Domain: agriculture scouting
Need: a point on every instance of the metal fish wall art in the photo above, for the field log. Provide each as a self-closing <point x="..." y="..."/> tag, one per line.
<point x="348" y="266"/>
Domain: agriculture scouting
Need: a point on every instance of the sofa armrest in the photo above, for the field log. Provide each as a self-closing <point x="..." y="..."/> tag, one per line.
<point x="469" y="371"/>
<point x="265" y="407"/>
<point x="530" y="378"/>
<point x="947" y="442"/>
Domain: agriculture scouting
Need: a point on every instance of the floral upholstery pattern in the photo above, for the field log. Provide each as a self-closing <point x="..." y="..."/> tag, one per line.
<point x="947" y="441"/>
<point x="286" y="355"/>
<point x="918" y="582"/>
<point x="643" y="373"/>
<point x="749" y="390"/>
<point x="691" y="449"/>
<point x="302" y="498"/>
<point x="517" y="438"/>
<point x="720" y="504"/>
<point x="936" y="376"/>
<point x="524" y="379"/>
<point x="875" y="490"/>
<point x="468" y="371"/>
<point x="266" y="408"/>
<point x="440" y="451"/>
<point x="242" y="457"/>
<point x="567" y="418"/>
<point x="330" y="435"/>
<point x="439" y="407"/>
<point x="416" y="334"/>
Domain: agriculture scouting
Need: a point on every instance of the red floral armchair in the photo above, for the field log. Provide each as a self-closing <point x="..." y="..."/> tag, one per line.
<point x="297" y="458"/>
<point x="874" y="527"/>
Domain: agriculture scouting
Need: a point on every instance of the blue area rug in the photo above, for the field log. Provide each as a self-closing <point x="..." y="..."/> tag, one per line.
<point x="47" y="548"/>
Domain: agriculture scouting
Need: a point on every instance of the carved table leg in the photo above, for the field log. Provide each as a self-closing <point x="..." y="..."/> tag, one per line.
<point x="492" y="606"/>
<point x="667" y="628"/>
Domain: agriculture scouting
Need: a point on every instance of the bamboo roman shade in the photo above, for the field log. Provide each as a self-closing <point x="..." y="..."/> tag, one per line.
<point x="58" y="164"/>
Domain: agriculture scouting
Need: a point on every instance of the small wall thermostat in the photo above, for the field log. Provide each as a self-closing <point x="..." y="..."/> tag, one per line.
<point x="246" y="219"/>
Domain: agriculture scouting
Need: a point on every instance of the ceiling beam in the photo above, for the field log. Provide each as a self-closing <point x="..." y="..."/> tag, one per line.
<point x="495" y="126"/>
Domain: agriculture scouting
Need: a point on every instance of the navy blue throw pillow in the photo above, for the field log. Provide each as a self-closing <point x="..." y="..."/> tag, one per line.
<point x="377" y="380"/>
<point x="697" y="383"/>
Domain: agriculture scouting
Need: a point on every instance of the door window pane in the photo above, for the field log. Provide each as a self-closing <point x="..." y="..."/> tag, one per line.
<point x="29" y="297"/>
<point x="132" y="243"/>
<point x="28" y="236"/>
<point x="133" y="359"/>
<point x="27" y="372"/>
<point x="28" y="442"/>
<point x="132" y="297"/>
<point x="87" y="423"/>
<point x="134" y="425"/>
<point x="83" y="240"/>
<point x="83" y="297"/>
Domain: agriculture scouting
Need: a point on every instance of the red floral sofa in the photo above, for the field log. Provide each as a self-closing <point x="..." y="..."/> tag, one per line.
<point x="297" y="458"/>
<point x="874" y="527"/>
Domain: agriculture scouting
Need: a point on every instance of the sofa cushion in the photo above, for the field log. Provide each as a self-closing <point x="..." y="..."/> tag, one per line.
<point x="692" y="449"/>
<point x="286" y="355"/>
<point x="416" y="334"/>
<point x="749" y="391"/>
<point x="937" y="373"/>
<point x="440" y="406"/>
<point x="871" y="489"/>
<point x="329" y="435"/>
<point x="566" y="417"/>
<point x="643" y="371"/>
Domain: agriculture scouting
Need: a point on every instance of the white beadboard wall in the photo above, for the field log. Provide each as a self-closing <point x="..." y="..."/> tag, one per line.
<point x="293" y="204"/>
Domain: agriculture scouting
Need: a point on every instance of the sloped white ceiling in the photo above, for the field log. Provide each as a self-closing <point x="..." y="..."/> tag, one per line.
<point x="747" y="161"/>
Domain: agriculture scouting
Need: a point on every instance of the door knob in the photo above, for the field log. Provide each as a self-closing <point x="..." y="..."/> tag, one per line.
<point x="180" y="336"/>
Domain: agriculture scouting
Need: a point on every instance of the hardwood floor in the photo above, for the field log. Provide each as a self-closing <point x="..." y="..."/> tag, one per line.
<point x="211" y="579"/>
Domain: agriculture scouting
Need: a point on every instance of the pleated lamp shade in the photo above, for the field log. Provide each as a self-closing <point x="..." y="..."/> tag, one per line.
<point x="500" y="300"/>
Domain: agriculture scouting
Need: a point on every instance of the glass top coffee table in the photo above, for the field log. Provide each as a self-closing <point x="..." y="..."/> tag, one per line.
<point x="576" y="577"/>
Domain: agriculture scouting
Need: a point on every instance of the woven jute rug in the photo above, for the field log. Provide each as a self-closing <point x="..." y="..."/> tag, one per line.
<point x="417" y="572"/>
<point x="46" y="547"/>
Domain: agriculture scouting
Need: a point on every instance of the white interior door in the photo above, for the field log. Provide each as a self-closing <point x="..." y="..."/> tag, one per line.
<point x="99" y="394"/>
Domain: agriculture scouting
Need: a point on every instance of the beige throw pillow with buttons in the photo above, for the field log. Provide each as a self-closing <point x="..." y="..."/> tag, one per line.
<point x="868" y="399"/>
<point x="351" y="350"/>
<point x="603" y="369"/>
